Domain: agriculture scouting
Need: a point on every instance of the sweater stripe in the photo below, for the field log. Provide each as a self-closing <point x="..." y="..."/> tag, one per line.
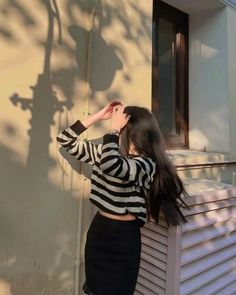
<point x="82" y="150"/>
<point x="119" y="202"/>
<point x="112" y="191"/>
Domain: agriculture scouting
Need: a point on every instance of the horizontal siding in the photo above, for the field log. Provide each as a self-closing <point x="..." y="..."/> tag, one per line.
<point x="161" y="228"/>
<point x="208" y="218"/>
<point x="153" y="277"/>
<point x="197" y="209"/>
<point x="215" y="286"/>
<point x="212" y="195"/>
<point x="208" y="233"/>
<point x="153" y="264"/>
<point x="154" y="252"/>
<point x="162" y="248"/>
<point x="208" y="262"/>
<point x="155" y="236"/>
<point x="153" y="261"/>
<point x="148" y="286"/>
<point x="196" y="284"/>
<point x="200" y="250"/>
<point x="153" y="269"/>
<point x="208" y="256"/>
<point x="230" y="289"/>
<point x="143" y="288"/>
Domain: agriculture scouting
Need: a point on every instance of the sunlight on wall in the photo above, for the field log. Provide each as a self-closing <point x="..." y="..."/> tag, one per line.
<point x="207" y="52"/>
<point x="208" y="86"/>
<point x="131" y="56"/>
<point x="5" y="288"/>
<point x="20" y="62"/>
<point x="46" y="87"/>
<point x="65" y="277"/>
<point x="198" y="140"/>
<point x="120" y="68"/>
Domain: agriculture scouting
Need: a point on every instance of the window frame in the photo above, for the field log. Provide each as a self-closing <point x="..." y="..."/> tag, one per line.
<point x="180" y="19"/>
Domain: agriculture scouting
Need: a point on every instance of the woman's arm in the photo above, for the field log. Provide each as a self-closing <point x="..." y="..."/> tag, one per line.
<point x="82" y="150"/>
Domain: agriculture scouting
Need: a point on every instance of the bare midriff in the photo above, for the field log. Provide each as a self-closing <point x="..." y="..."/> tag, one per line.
<point x="118" y="217"/>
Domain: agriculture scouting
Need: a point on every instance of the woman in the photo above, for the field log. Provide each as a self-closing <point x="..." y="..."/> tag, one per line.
<point x="132" y="180"/>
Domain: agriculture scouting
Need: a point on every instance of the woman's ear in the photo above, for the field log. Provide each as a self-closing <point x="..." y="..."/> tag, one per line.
<point x="132" y="149"/>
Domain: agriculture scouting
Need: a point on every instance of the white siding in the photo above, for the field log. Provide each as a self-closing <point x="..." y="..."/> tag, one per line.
<point x="231" y="3"/>
<point x="197" y="258"/>
<point x="153" y="266"/>
<point x="208" y="255"/>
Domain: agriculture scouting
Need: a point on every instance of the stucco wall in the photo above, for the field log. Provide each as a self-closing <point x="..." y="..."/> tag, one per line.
<point x="208" y="88"/>
<point x="40" y="193"/>
<point x="231" y="24"/>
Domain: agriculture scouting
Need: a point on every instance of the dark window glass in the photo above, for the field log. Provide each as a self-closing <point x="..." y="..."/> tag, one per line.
<point x="170" y="73"/>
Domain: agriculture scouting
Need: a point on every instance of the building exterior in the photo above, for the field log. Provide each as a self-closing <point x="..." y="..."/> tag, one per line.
<point x="61" y="60"/>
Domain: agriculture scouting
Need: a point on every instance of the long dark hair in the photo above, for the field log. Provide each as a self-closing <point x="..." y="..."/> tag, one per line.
<point x="167" y="188"/>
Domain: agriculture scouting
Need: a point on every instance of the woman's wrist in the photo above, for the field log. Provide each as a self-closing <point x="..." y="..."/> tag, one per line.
<point x="114" y="125"/>
<point x="114" y="131"/>
<point x="91" y="120"/>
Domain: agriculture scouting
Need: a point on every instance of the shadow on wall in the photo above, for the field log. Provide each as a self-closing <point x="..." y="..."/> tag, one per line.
<point x="37" y="246"/>
<point x="37" y="219"/>
<point x="103" y="53"/>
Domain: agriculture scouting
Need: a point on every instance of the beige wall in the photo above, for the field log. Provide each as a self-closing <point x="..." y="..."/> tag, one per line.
<point x="39" y="191"/>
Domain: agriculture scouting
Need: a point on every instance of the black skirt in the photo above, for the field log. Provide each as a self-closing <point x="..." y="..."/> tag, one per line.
<point x="112" y="256"/>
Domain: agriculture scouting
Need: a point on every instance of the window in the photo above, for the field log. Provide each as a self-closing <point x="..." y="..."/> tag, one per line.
<point x="170" y="73"/>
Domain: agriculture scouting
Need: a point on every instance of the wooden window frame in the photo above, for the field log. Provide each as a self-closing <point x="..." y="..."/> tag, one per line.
<point x="167" y="12"/>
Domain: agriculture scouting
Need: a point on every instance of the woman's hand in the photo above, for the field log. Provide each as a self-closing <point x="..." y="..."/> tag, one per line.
<point x="119" y="119"/>
<point x="104" y="114"/>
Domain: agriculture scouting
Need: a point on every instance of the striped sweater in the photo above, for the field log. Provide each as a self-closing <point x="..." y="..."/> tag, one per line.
<point x="119" y="184"/>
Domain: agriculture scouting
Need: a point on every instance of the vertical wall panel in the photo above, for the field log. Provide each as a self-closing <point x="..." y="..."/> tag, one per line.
<point x="153" y="266"/>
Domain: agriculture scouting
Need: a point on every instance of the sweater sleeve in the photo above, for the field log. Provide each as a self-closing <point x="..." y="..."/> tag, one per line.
<point x="140" y="170"/>
<point x="83" y="150"/>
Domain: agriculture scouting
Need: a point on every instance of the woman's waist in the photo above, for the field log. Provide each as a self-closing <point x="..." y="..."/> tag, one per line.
<point x="125" y="217"/>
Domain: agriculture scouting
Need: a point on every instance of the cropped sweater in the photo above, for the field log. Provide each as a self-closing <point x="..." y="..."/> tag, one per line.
<point x="119" y="185"/>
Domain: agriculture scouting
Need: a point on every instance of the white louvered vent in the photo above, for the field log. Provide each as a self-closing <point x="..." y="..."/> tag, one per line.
<point x="197" y="258"/>
<point x="208" y="258"/>
<point x="152" y="274"/>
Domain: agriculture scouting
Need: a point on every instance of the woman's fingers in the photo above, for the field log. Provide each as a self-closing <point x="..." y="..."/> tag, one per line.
<point x="107" y="111"/>
<point x="119" y="118"/>
<point x="119" y="108"/>
<point x="112" y="105"/>
<point x="115" y="103"/>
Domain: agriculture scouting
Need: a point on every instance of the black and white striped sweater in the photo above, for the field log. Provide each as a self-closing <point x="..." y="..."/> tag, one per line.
<point x="118" y="184"/>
